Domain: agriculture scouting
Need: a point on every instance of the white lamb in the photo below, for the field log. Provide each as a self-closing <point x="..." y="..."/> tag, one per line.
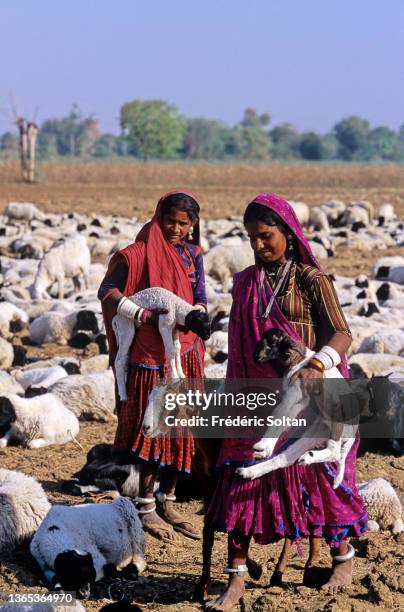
<point x="37" y="421"/>
<point x="382" y="504"/>
<point x="91" y="538"/>
<point x="23" y="504"/>
<point x="68" y="258"/>
<point x="12" y="319"/>
<point x="56" y="327"/>
<point x="90" y="396"/>
<point x="179" y="312"/>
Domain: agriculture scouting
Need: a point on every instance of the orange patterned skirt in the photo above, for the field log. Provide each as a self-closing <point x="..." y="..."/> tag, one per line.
<point x="165" y="450"/>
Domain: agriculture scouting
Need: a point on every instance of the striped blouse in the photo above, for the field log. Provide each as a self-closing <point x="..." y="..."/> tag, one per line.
<point x="308" y="300"/>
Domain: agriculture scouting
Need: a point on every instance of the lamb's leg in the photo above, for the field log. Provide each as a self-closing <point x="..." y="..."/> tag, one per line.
<point x="346" y="445"/>
<point x="177" y="345"/>
<point x="124" y="330"/>
<point x="166" y="334"/>
<point x="38" y="443"/>
<point x="60" y="284"/>
<point x="284" y="459"/>
<point x="7" y="436"/>
<point x="291" y="405"/>
<point x="331" y="452"/>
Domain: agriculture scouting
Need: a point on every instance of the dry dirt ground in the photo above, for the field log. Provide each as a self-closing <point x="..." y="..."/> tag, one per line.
<point x="132" y="189"/>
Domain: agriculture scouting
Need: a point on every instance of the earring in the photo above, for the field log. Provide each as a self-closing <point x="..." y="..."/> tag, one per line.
<point x="290" y="244"/>
<point x="190" y="233"/>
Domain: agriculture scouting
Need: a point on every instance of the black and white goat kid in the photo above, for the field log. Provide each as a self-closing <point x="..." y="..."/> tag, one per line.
<point x="316" y="446"/>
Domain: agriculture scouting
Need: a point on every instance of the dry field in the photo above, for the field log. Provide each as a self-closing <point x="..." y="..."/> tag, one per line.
<point x="131" y="189"/>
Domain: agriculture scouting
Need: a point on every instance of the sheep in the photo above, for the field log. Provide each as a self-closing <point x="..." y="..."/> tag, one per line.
<point x="12" y="319"/>
<point x="75" y="546"/>
<point x="45" y="377"/>
<point x="179" y="312"/>
<point x="23" y="211"/>
<point x="355" y="214"/>
<point x="54" y="327"/>
<point x="68" y="257"/>
<point x="390" y="268"/>
<point x="319" y="220"/>
<point x="302" y="211"/>
<point x="334" y="209"/>
<point x="222" y="262"/>
<point x="217" y="346"/>
<point x="319" y="251"/>
<point x="98" y="363"/>
<point x="377" y="364"/>
<point x="89" y="397"/>
<point x="275" y="344"/>
<point x="386" y="214"/>
<point x="37" y="421"/>
<point x="6" y="354"/>
<point x="23" y="504"/>
<point x="388" y="340"/>
<point x="9" y="385"/>
<point x="383" y="506"/>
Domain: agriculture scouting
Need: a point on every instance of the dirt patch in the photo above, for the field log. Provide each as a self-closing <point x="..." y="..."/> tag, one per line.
<point x="173" y="569"/>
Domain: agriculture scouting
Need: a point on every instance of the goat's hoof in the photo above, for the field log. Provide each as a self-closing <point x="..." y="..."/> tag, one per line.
<point x="244" y="472"/>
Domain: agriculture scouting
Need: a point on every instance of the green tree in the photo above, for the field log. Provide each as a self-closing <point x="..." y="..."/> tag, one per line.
<point x="73" y="135"/>
<point x="352" y="135"/>
<point x="248" y="143"/>
<point x="153" y="128"/>
<point x="311" y="146"/>
<point x="285" y="141"/>
<point x="107" y="145"/>
<point x="382" y="143"/>
<point x="9" y="144"/>
<point x="205" y="139"/>
<point x="253" y="120"/>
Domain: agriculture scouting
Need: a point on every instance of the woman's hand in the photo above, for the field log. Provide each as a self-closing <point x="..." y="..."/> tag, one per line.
<point x="308" y="375"/>
<point x="151" y="317"/>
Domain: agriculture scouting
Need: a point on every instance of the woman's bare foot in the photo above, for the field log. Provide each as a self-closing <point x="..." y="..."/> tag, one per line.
<point x="167" y="511"/>
<point x="158" y="528"/>
<point x="341" y="577"/>
<point x="231" y="596"/>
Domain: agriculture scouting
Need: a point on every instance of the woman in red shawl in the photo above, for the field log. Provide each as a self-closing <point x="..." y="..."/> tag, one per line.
<point x="166" y="254"/>
<point x="298" y="501"/>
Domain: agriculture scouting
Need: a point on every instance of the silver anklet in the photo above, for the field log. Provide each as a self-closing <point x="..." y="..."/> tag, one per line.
<point x="145" y="501"/>
<point x="162" y="497"/>
<point x="348" y="555"/>
<point x="240" y="570"/>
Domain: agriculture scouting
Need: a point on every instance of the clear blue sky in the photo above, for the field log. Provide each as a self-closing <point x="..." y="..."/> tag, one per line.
<point x="309" y="62"/>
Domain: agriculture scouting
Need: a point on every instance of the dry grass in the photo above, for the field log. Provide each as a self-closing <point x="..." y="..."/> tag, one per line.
<point x="133" y="188"/>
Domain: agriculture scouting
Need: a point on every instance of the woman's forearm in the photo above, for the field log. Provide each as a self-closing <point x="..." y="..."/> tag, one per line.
<point x="340" y="342"/>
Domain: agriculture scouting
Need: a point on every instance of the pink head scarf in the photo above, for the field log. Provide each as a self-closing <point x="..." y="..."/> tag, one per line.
<point x="246" y="328"/>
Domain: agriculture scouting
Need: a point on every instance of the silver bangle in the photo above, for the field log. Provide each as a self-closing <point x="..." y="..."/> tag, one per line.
<point x="239" y="570"/>
<point x="348" y="555"/>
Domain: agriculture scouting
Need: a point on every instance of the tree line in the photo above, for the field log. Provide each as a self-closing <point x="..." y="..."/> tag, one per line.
<point x="154" y="129"/>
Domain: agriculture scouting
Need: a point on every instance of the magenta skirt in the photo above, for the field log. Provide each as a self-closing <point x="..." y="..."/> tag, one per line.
<point x="294" y="502"/>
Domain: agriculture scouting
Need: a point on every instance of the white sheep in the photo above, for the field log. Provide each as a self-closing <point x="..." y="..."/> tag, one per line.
<point x="23" y="211"/>
<point x="302" y="211"/>
<point x="90" y="396"/>
<point x="355" y="214"/>
<point x="94" y="535"/>
<point x="68" y="258"/>
<point x="217" y="345"/>
<point x="23" y="504"/>
<point x="377" y="364"/>
<point x="41" y="377"/>
<point x="318" y="218"/>
<point x="390" y="268"/>
<point x="6" y="354"/>
<point x="386" y="214"/>
<point x="74" y="606"/>
<point x="388" y="340"/>
<point x="179" y="312"/>
<point x="223" y="262"/>
<point x="55" y="327"/>
<point x="37" y="421"/>
<point x="383" y="506"/>
<point x="9" y="385"/>
<point x="334" y="209"/>
<point x="12" y="319"/>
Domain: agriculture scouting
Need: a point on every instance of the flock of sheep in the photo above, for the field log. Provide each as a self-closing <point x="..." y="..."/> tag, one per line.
<point x="49" y="276"/>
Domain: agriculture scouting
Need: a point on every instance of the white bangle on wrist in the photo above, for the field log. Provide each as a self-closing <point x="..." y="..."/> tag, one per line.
<point x="328" y="357"/>
<point x="129" y="309"/>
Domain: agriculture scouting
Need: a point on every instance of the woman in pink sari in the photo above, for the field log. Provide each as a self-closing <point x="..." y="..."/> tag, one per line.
<point x="298" y="501"/>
